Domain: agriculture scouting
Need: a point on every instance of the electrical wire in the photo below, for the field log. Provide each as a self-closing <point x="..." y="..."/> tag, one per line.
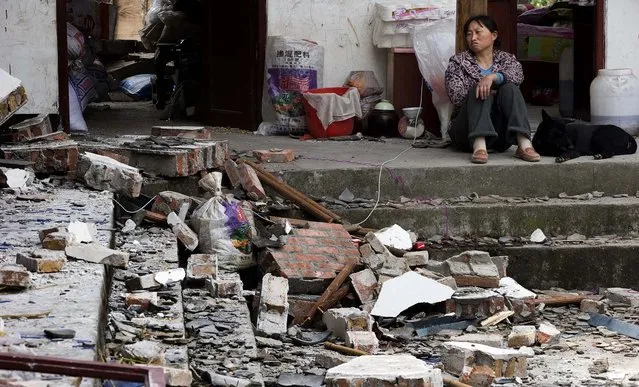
<point x="381" y="166"/>
<point x="138" y="210"/>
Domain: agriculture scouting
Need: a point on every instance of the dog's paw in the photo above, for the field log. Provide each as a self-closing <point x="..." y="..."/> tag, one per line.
<point x="598" y="156"/>
<point x="561" y="159"/>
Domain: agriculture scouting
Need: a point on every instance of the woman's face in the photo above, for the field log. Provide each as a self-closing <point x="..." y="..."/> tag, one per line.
<point x="479" y="37"/>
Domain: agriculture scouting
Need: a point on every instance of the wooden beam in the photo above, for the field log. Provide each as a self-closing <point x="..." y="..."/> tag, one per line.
<point x="465" y="10"/>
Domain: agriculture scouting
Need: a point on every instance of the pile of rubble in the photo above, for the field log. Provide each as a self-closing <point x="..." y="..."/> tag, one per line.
<point x="217" y="289"/>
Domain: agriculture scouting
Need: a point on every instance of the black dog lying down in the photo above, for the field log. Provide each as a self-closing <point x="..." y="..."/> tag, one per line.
<point x="567" y="140"/>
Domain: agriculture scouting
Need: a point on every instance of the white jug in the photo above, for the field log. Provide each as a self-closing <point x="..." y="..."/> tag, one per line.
<point x="614" y="99"/>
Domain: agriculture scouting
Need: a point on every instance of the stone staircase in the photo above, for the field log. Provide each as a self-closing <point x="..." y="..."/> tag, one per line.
<point x="587" y="209"/>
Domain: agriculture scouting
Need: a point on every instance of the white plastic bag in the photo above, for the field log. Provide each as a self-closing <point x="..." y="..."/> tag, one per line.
<point x="76" y="119"/>
<point x="223" y="229"/>
<point x="434" y="44"/>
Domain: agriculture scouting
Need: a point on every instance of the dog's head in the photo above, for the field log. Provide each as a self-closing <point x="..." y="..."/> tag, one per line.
<point x="551" y="137"/>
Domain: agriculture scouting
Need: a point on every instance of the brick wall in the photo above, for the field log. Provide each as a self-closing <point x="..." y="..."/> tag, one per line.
<point x="319" y="251"/>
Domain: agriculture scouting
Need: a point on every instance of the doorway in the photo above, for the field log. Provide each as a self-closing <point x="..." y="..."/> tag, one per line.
<point x="212" y="77"/>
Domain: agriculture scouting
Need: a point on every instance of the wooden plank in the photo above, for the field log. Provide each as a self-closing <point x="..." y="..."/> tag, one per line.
<point x="465" y="10"/>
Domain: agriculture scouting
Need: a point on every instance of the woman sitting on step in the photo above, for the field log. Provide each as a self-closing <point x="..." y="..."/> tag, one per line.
<point x="483" y="85"/>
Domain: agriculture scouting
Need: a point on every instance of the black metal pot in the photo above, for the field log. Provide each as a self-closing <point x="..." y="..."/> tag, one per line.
<point x="383" y="121"/>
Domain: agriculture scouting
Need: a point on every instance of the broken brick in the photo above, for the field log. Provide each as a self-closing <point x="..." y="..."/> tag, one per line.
<point x="365" y="285"/>
<point x="416" y="258"/>
<point x="592" y="306"/>
<point x="104" y="173"/>
<point x="183" y="232"/>
<point x="250" y="182"/>
<point x="201" y="267"/>
<point x="14" y="276"/>
<point x="28" y="129"/>
<point x="143" y="299"/>
<point x="43" y="233"/>
<point x="225" y="286"/>
<point x="342" y="320"/>
<point x="363" y="341"/>
<point x="55" y="136"/>
<point x="55" y="157"/>
<point x="522" y="336"/>
<point x="169" y="201"/>
<point x="57" y="240"/>
<point x="177" y="377"/>
<point x="460" y="357"/>
<point x="196" y="132"/>
<point x="547" y="333"/>
<point x="232" y="173"/>
<point x="472" y="302"/>
<point x="478" y="376"/>
<point x="274" y="156"/>
<point x="474" y="268"/>
<point x="384" y="370"/>
<point x="42" y="261"/>
<point x="273" y="309"/>
<point x="145" y="282"/>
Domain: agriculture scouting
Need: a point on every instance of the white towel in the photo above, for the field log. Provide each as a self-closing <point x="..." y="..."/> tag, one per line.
<point x="332" y="107"/>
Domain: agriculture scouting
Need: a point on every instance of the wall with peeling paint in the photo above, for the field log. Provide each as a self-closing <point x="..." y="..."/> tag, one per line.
<point x="622" y="34"/>
<point x="29" y="50"/>
<point x="342" y="27"/>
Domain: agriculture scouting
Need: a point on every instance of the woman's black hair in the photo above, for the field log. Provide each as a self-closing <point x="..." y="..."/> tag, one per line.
<point x="485" y="21"/>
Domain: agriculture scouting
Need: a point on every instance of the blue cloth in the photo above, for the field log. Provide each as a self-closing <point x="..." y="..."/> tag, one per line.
<point x="488" y="71"/>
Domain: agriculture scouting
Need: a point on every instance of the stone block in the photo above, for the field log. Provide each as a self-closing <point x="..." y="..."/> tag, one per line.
<point x="95" y="253"/>
<point x="57" y="240"/>
<point x="362" y="340"/>
<point x="170" y="201"/>
<point x="478" y="376"/>
<point x="250" y="182"/>
<point x="195" y="132"/>
<point x="547" y="333"/>
<point x="474" y="268"/>
<point x="448" y="281"/>
<point x="183" y="232"/>
<point x="592" y="306"/>
<point x="14" y="276"/>
<point x="274" y="156"/>
<point x="144" y="282"/>
<point x="42" y="261"/>
<point x="272" y="315"/>
<point x="201" y="267"/>
<point x="104" y="173"/>
<point x="365" y="285"/>
<point x="342" y="320"/>
<point x="376" y="244"/>
<point x="623" y="297"/>
<point x="142" y="299"/>
<point x="459" y="358"/>
<point x="416" y="258"/>
<point x="384" y="371"/>
<point x="524" y="308"/>
<point x="522" y="336"/>
<point x="489" y="339"/>
<point x="472" y="302"/>
<point x="232" y="172"/>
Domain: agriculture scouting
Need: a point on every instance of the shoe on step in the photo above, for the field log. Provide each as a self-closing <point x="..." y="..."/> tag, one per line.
<point x="480" y="156"/>
<point x="529" y="154"/>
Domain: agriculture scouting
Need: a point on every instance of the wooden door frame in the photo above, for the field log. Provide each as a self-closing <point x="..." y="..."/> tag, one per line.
<point x="63" y="67"/>
<point x="467" y="7"/>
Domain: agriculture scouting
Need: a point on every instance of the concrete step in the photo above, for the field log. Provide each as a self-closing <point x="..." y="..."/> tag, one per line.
<point x="591" y="264"/>
<point x="606" y="215"/>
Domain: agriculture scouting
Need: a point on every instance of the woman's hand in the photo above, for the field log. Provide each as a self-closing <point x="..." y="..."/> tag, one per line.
<point x="484" y="86"/>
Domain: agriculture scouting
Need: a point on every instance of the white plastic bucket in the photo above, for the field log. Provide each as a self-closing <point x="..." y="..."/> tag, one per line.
<point x="614" y="99"/>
